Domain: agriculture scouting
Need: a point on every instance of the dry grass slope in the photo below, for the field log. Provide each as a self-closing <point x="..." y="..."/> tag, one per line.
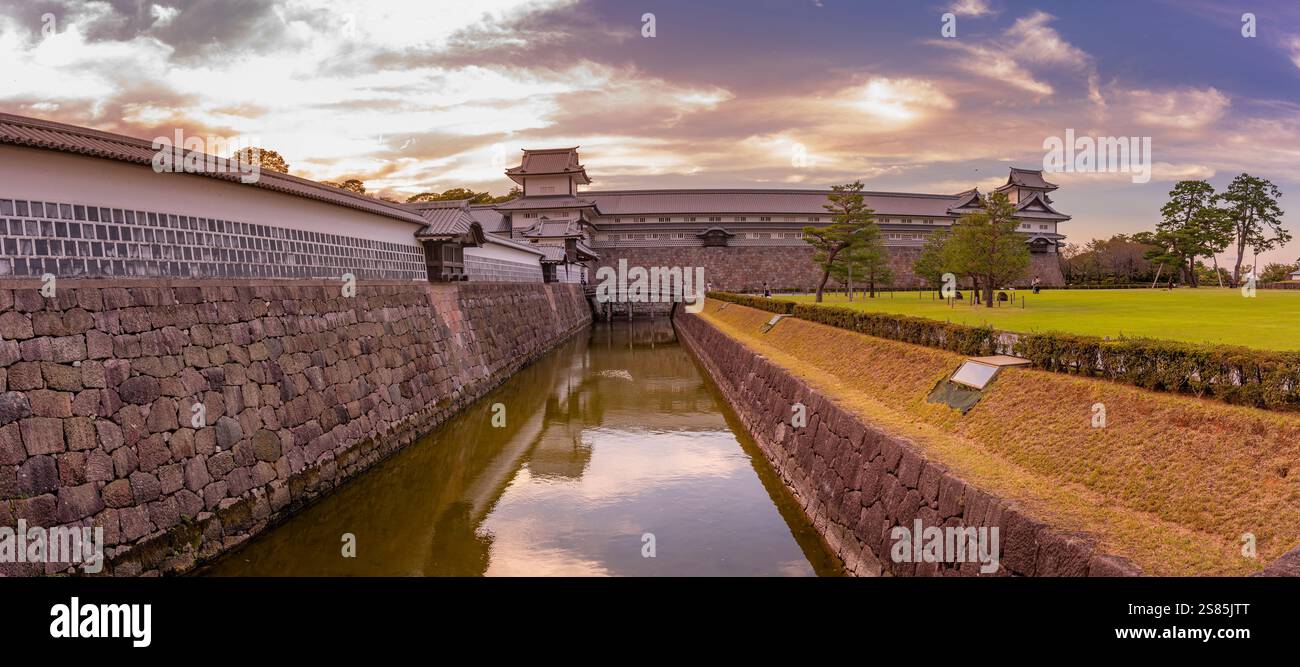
<point x="1171" y="482"/>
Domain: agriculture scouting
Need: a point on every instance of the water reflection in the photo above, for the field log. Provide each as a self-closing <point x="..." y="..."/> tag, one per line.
<point x="613" y="436"/>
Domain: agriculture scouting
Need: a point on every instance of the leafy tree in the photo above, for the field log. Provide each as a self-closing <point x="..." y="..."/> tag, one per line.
<point x="865" y="262"/>
<point x="932" y="262"/>
<point x="1207" y="275"/>
<point x="351" y="185"/>
<point x="265" y="158"/>
<point x="986" y="246"/>
<point x="1162" y="254"/>
<point x="1276" y="273"/>
<point x="465" y="193"/>
<point x="851" y="224"/>
<point x="1251" y="207"/>
<point x="1193" y="226"/>
<point x="1118" y="259"/>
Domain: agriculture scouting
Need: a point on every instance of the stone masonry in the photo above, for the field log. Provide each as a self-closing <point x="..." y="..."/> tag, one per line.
<point x="784" y="268"/>
<point x="855" y="481"/>
<point x="186" y="416"/>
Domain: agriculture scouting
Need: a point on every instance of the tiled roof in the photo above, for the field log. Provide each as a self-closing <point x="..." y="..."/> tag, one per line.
<point x="499" y="239"/>
<point x="1029" y="178"/>
<point x="584" y="249"/>
<point x="444" y="220"/>
<point x="755" y="202"/>
<point x="551" y="253"/>
<point x="450" y="218"/>
<point x="545" y="201"/>
<point x="49" y="135"/>
<point x="487" y="215"/>
<point x="554" y="229"/>
<point x="556" y="253"/>
<point x="549" y="161"/>
<point x="1036" y="206"/>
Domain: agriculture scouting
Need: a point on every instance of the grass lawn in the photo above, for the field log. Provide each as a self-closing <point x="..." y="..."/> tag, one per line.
<point x="1270" y="320"/>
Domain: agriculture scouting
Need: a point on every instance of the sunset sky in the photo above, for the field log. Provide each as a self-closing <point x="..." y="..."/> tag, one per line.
<point x="430" y="95"/>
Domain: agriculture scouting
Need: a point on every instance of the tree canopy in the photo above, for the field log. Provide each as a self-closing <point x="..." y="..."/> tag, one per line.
<point x="985" y="246"/>
<point x="465" y="193"/>
<point x="1190" y="226"/>
<point x="852" y="225"/>
<point x="265" y="158"/>
<point x="1251" y="208"/>
<point x="864" y="262"/>
<point x="351" y="185"/>
<point x="934" y="261"/>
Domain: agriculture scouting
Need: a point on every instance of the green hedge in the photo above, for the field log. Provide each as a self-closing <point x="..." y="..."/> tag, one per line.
<point x="762" y="303"/>
<point x="1258" y="378"/>
<point x="974" y="341"/>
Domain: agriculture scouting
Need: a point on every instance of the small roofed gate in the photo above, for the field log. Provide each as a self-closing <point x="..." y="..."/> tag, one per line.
<point x="445" y="261"/>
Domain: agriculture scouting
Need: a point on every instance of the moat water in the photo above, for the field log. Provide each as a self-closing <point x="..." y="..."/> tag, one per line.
<point x="618" y="456"/>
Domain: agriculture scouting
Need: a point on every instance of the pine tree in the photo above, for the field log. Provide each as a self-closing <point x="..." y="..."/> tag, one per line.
<point x="986" y="246"/>
<point x="852" y="223"/>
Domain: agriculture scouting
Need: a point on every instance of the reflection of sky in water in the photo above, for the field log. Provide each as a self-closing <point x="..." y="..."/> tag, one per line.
<point x="695" y="491"/>
<point x="588" y="463"/>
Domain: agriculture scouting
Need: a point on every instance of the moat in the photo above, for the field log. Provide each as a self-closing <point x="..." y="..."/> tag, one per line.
<point x="617" y="457"/>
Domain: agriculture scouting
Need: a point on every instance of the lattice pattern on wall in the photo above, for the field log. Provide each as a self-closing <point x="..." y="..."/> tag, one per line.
<point x="86" y="241"/>
<point x="488" y="269"/>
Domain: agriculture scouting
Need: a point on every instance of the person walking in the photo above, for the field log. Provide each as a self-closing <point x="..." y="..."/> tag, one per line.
<point x="1035" y="284"/>
<point x="767" y="291"/>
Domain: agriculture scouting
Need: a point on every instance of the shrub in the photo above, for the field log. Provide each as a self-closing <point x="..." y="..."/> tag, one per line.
<point x="975" y="341"/>
<point x="1258" y="378"/>
<point x="762" y="303"/>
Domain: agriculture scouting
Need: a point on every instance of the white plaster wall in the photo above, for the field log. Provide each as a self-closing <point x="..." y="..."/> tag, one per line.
<point x="503" y="252"/>
<point x="533" y="185"/>
<point x="42" y="175"/>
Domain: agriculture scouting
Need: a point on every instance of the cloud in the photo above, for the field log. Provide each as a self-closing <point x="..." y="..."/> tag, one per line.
<point x="970" y="8"/>
<point x="1186" y="109"/>
<point x="1164" y="171"/>
<point x="897" y="100"/>
<point x="329" y="120"/>
<point x="415" y="96"/>
<point x="1028" y="45"/>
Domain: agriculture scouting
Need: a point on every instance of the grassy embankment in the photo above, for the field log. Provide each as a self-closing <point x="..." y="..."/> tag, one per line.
<point x="1172" y="482"/>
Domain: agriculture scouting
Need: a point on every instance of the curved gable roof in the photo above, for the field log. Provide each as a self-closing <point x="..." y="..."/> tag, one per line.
<point x="774" y="201"/>
<point x="49" y="135"/>
<point x="1028" y="178"/>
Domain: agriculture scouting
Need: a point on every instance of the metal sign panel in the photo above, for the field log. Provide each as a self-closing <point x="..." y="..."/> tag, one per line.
<point x="974" y="374"/>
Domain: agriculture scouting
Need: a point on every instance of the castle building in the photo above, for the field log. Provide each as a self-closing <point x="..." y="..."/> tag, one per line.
<point x="77" y="202"/>
<point x="744" y="238"/>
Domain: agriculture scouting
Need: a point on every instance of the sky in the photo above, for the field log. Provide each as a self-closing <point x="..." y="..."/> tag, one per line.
<point x="433" y="94"/>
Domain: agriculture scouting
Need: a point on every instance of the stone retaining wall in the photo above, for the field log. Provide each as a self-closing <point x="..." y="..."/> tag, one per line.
<point x="746" y="268"/>
<point x="856" y="481"/>
<point x="299" y="389"/>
